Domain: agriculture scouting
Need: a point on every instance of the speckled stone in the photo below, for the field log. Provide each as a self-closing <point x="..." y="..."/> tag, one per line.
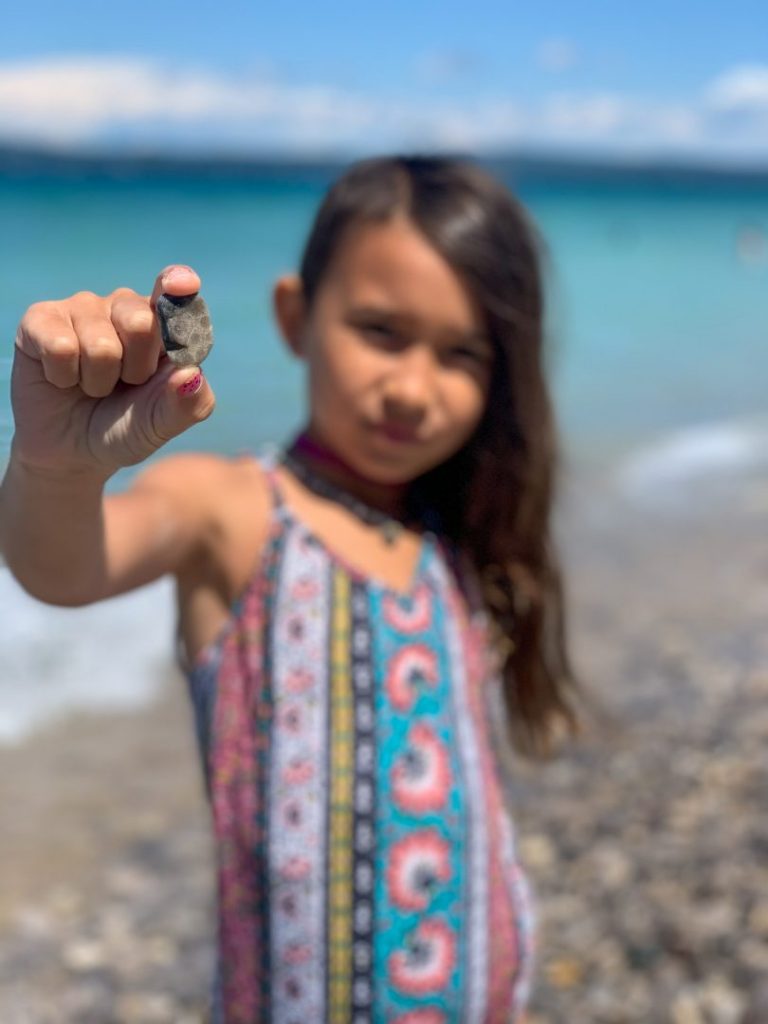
<point x="185" y="325"/>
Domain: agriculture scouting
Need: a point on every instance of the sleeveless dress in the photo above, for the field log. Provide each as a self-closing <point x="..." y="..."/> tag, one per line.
<point x="366" y="864"/>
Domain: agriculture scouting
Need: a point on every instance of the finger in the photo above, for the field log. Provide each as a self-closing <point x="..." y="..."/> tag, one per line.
<point x="185" y="400"/>
<point x="139" y="333"/>
<point x="48" y="336"/>
<point x="176" y="279"/>
<point x="101" y="354"/>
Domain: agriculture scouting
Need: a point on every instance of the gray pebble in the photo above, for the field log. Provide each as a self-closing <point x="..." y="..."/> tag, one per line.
<point x="185" y="325"/>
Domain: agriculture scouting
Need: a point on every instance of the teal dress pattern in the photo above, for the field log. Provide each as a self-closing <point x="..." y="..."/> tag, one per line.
<point x="366" y="862"/>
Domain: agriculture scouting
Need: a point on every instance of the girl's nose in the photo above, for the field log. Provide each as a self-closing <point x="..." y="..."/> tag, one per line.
<point x="409" y="387"/>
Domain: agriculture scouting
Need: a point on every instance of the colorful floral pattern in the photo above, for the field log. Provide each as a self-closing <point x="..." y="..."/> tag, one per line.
<point x="419" y="864"/>
<point x="410" y="672"/>
<point x="409" y="615"/>
<point x="421" y="776"/>
<point x="426" y="1016"/>
<point x="367" y="868"/>
<point x="424" y="965"/>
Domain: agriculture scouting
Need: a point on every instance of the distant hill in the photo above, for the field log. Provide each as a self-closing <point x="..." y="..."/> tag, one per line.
<point x="523" y="169"/>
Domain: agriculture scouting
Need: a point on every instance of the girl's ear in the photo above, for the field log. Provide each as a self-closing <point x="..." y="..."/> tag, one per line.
<point x="290" y="311"/>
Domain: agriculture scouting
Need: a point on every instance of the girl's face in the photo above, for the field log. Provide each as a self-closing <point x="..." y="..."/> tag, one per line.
<point x="399" y="364"/>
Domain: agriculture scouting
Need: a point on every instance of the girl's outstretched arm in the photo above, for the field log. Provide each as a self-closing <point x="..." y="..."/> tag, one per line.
<point x="69" y="544"/>
<point x="92" y="391"/>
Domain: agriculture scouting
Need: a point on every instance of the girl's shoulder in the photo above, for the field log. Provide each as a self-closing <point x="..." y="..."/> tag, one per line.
<point x="236" y="505"/>
<point x="232" y="503"/>
<point x="218" y="485"/>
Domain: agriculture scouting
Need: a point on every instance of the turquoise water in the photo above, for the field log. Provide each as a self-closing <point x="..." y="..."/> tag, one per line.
<point x="659" y="359"/>
<point x="656" y="322"/>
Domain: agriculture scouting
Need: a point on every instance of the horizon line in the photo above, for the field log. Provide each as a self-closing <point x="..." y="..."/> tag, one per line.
<point x="527" y="158"/>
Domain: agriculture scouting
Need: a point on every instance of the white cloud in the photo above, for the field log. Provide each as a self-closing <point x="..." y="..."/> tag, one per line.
<point x="73" y="99"/>
<point x="134" y="102"/>
<point x="557" y="55"/>
<point x="593" y="115"/>
<point x="741" y="88"/>
<point x="445" y="66"/>
<point x="628" y="121"/>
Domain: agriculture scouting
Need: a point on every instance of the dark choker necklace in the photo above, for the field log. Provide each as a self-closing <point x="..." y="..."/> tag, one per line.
<point x="389" y="527"/>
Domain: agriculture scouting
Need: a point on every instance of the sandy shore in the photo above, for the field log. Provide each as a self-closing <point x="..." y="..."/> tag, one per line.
<point x="106" y="905"/>
<point x="647" y="843"/>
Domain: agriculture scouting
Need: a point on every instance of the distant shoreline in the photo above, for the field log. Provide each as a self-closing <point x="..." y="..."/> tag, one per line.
<point x="524" y="168"/>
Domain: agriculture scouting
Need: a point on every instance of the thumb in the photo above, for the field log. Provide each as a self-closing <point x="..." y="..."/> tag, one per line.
<point x="185" y="399"/>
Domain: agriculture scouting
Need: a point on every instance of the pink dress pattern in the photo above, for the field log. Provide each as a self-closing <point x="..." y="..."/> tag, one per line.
<point x="366" y="863"/>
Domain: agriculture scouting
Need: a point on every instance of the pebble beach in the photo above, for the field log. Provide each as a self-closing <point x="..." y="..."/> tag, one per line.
<point x="646" y="841"/>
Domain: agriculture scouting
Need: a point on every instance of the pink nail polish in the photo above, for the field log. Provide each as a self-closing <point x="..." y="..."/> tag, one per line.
<point x="191" y="386"/>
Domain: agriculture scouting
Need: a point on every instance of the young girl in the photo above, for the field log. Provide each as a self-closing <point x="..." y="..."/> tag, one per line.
<point x="356" y="614"/>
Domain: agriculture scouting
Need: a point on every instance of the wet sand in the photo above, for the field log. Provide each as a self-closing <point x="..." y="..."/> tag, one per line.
<point x="646" y="842"/>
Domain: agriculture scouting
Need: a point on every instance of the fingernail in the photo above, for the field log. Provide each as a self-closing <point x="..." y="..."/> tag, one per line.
<point x="191" y="386"/>
<point x="177" y="273"/>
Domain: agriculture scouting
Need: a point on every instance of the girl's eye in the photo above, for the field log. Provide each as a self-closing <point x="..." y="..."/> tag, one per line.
<point x="382" y="334"/>
<point x="379" y="329"/>
<point x="473" y="355"/>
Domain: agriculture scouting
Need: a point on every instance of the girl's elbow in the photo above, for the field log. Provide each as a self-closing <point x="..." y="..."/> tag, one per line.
<point x="62" y="593"/>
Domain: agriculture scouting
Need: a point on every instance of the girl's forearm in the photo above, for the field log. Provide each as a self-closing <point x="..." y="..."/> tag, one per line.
<point x="52" y="532"/>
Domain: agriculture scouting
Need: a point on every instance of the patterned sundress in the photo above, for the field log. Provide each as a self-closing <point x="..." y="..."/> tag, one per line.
<point x="366" y="863"/>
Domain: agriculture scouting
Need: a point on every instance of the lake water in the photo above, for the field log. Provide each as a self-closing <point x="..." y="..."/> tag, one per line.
<point x="658" y="325"/>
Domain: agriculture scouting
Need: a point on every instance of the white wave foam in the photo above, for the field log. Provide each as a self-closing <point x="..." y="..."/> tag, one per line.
<point x="108" y="655"/>
<point x="700" y="453"/>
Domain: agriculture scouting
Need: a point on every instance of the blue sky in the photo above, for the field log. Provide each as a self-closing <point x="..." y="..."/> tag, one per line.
<point x="678" y="78"/>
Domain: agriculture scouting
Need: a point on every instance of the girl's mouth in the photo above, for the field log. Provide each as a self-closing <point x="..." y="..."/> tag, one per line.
<point x="397" y="433"/>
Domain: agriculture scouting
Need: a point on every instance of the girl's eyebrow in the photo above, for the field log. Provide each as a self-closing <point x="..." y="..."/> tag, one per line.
<point x="406" y="318"/>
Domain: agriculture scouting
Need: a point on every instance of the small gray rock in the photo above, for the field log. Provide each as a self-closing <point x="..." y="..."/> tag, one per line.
<point x="185" y="325"/>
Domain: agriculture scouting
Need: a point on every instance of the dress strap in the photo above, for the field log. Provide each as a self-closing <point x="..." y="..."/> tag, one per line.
<point x="269" y="460"/>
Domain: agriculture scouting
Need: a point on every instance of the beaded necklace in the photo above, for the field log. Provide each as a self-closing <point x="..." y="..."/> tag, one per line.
<point x="389" y="527"/>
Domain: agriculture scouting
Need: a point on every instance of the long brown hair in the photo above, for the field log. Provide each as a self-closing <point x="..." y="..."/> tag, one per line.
<point x="495" y="496"/>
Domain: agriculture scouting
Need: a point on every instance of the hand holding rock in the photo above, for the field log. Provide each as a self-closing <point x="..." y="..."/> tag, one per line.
<point x="92" y="389"/>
